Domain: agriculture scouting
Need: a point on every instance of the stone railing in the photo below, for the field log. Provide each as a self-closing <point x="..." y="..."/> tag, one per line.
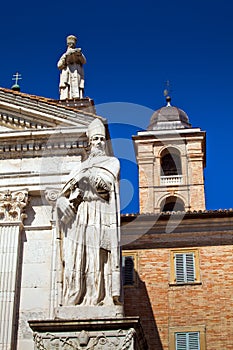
<point x="171" y="180"/>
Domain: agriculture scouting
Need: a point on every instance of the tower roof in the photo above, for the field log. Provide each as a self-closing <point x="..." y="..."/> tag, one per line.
<point x="169" y="117"/>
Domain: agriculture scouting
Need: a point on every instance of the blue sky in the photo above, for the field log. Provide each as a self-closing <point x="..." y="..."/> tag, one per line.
<point x="132" y="48"/>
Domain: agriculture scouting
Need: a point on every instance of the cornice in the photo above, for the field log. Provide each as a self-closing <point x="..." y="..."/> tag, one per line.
<point x="186" y="214"/>
<point x="34" y="142"/>
<point x="24" y="111"/>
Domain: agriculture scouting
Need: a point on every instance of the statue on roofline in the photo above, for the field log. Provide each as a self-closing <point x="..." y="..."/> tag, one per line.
<point x="72" y="75"/>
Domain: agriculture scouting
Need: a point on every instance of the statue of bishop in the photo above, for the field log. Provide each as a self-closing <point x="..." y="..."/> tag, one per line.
<point x="88" y="210"/>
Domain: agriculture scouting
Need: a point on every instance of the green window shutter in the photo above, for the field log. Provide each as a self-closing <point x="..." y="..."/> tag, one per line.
<point x="185" y="267"/>
<point x="187" y="341"/>
<point x="128" y="270"/>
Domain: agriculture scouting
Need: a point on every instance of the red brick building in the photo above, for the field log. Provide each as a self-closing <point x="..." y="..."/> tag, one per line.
<point x="182" y="282"/>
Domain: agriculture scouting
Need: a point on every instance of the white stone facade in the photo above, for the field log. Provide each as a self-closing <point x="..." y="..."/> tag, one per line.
<point x="40" y="141"/>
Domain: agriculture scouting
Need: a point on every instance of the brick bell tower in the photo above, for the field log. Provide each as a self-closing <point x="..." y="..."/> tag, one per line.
<point x="171" y="157"/>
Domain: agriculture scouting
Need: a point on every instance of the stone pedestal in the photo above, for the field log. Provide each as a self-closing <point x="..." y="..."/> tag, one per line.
<point x="89" y="312"/>
<point x="99" y="334"/>
<point x="86" y="104"/>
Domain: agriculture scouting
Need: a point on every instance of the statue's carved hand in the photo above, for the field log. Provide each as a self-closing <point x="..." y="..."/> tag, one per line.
<point x="65" y="208"/>
<point x="103" y="185"/>
<point x="103" y="181"/>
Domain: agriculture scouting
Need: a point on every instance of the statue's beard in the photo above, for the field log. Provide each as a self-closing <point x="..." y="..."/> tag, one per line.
<point x="95" y="152"/>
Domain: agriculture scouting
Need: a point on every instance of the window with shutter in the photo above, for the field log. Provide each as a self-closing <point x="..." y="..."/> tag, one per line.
<point x="184" y="267"/>
<point x="128" y="270"/>
<point x="187" y="338"/>
<point x="187" y="341"/>
<point x="129" y="266"/>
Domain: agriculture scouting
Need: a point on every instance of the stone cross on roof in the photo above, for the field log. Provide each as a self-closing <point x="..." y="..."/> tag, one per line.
<point x="16" y="77"/>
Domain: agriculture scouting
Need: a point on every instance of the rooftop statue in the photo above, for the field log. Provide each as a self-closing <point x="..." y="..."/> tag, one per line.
<point x="88" y="208"/>
<point x="72" y="75"/>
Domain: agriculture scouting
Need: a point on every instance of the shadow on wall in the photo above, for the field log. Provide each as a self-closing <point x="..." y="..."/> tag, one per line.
<point x="30" y="214"/>
<point x="137" y="303"/>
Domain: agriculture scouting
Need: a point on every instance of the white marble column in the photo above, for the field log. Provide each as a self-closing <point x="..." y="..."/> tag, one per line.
<point x="11" y="216"/>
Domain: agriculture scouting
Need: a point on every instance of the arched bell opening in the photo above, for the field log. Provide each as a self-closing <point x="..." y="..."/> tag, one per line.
<point x="172" y="203"/>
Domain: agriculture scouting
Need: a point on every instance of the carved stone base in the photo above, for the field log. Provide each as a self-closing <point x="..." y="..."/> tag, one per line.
<point x="103" y="334"/>
<point x="89" y="312"/>
<point x="86" y="104"/>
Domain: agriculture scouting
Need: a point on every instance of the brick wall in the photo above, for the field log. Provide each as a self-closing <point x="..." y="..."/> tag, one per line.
<point x="161" y="306"/>
<point x="191" y="191"/>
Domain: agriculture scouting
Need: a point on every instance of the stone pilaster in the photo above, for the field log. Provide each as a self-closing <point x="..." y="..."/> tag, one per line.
<point x="51" y="195"/>
<point x="11" y="217"/>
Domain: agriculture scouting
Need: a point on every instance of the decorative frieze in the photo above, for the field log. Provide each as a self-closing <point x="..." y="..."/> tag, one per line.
<point x="109" y="334"/>
<point x="41" y="146"/>
<point x="118" y="340"/>
<point x="19" y="123"/>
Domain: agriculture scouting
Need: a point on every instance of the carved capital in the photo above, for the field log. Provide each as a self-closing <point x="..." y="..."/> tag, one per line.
<point x="12" y="205"/>
<point x="51" y="195"/>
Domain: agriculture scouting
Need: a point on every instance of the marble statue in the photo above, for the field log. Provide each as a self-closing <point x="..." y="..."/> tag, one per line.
<point x="88" y="210"/>
<point x="72" y="75"/>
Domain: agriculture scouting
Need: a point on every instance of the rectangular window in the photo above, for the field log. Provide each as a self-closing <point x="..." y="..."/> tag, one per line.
<point x="185" y="267"/>
<point x="187" y="338"/>
<point x="129" y="264"/>
<point x="187" y="341"/>
<point x="128" y="270"/>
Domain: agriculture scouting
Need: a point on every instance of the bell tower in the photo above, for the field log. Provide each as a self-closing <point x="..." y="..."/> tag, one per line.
<point x="171" y="157"/>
